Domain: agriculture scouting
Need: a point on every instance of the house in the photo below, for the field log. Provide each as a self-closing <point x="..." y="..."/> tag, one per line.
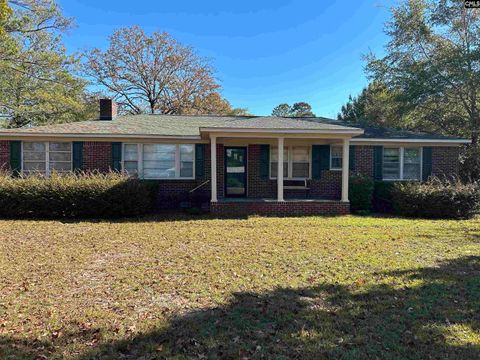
<point x="252" y="164"/>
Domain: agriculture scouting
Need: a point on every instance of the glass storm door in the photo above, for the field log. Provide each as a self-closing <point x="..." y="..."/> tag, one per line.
<point x="235" y="172"/>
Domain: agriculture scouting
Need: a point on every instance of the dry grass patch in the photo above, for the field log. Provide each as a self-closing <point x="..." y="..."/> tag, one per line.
<point x="257" y="287"/>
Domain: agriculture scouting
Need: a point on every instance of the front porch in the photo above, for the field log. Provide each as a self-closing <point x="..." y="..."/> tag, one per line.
<point x="247" y="179"/>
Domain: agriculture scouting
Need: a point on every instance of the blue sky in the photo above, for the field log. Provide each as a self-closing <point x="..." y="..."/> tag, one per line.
<point x="264" y="52"/>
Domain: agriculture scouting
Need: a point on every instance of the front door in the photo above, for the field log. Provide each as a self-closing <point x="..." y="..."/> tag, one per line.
<point x="235" y="171"/>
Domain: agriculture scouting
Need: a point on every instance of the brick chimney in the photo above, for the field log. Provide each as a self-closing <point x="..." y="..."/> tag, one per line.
<point x="108" y="109"/>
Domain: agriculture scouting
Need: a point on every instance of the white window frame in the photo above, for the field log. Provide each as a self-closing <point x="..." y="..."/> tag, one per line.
<point x="47" y="155"/>
<point x="331" y="158"/>
<point x="289" y="162"/>
<point x="402" y="152"/>
<point x="177" y="161"/>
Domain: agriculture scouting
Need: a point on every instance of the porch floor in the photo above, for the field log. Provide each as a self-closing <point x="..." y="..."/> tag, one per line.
<point x="271" y="200"/>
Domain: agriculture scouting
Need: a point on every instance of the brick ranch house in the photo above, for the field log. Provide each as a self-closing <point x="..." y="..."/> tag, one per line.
<point x="263" y="165"/>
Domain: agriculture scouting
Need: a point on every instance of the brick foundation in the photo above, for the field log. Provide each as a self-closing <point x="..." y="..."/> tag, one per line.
<point x="283" y="208"/>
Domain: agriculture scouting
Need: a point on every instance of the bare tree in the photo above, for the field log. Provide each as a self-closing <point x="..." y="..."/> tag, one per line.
<point x="151" y="73"/>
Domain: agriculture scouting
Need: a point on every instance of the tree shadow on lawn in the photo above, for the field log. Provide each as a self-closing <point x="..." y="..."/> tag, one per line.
<point x="330" y="321"/>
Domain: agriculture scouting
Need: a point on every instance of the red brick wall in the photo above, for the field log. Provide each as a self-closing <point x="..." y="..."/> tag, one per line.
<point x="4" y="155"/>
<point x="275" y="208"/>
<point x="171" y="192"/>
<point x="257" y="187"/>
<point x="445" y="161"/>
<point x="329" y="186"/>
<point x="364" y="160"/>
<point x="97" y="156"/>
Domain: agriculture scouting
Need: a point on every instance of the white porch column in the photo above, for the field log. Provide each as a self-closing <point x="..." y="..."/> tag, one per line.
<point x="213" y="165"/>
<point x="280" y="170"/>
<point x="345" y="169"/>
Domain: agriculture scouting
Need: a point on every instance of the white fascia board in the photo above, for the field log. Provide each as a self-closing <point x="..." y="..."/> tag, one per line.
<point x="413" y="141"/>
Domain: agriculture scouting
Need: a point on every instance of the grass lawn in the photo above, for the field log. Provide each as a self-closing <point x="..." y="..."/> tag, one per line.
<point x="313" y="287"/>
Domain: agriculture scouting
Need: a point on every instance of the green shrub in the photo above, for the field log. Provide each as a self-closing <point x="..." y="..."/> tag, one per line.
<point x="436" y="199"/>
<point x="360" y="193"/>
<point x="382" y="196"/>
<point x="74" y="195"/>
<point x="152" y="187"/>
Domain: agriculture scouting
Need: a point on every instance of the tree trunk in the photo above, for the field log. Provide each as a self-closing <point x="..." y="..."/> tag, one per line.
<point x="475" y="128"/>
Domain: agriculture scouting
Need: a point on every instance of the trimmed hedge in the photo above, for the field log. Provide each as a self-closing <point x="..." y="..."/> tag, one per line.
<point x="360" y="193"/>
<point x="74" y="195"/>
<point x="436" y="199"/>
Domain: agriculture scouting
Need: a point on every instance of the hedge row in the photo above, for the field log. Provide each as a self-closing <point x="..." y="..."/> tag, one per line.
<point x="436" y="199"/>
<point x="74" y="195"/>
<point x="432" y="199"/>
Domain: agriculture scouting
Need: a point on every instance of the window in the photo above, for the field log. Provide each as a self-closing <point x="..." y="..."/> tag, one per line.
<point x="300" y="162"/>
<point x="45" y="157"/>
<point x="159" y="161"/>
<point x="130" y="156"/>
<point x="186" y="161"/>
<point x="296" y="162"/>
<point x="402" y="163"/>
<point x="411" y="164"/>
<point x="391" y="163"/>
<point x="336" y="155"/>
<point x="274" y="162"/>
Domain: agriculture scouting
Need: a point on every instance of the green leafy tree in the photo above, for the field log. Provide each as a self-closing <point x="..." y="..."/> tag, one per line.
<point x="302" y="109"/>
<point x="432" y="65"/>
<point x="37" y="78"/>
<point x="299" y="109"/>
<point x="282" y="110"/>
<point x="375" y="106"/>
<point x="5" y="12"/>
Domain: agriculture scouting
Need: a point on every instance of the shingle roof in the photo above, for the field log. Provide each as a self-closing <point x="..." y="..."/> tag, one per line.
<point x="176" y="125"/>
<point x="183" y="126"/>
<point x="385" y="133"/>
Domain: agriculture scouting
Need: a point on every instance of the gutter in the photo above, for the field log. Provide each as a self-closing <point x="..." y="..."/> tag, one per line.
<point x="392" y="140"/>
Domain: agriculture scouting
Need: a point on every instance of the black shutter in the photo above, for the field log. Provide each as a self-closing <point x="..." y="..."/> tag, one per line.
<point x="199" y="161"/>
<point x="378" y="162"/>
<point x="117" y="156"/>
<point x="324" y="157"/>
<point x="320" y="160"/>
<point x="16" y="157"/>
<point x="426" y="163"/>
<point x="264" y="161"/>
<point x="77" y="155"/>
<point x="351" y="158"/>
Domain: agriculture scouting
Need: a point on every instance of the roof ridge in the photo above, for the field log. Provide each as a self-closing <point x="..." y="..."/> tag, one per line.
<point x="306" y="118"/>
